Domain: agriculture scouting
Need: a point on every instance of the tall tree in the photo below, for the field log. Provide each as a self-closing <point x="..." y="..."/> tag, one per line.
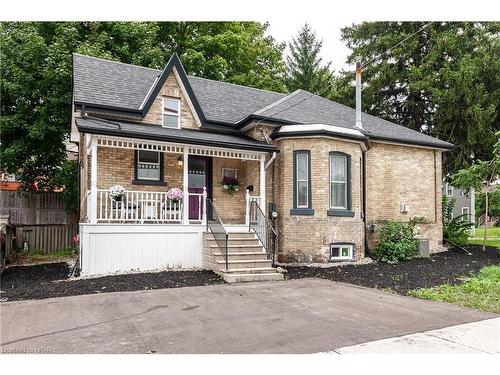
<point x="235" y="52"/>
<point x="305" y="69"/>
<point x="35" y="82"/>
<point x="443" y="81"/>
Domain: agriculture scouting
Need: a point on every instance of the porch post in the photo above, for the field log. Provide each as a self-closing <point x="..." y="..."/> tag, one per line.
<point x="262" y="187"/>
<point x="185" y="206"/>
<point x="93" y="180"/>
<point x="204" y="205"/>
<point x="247" y="208"/>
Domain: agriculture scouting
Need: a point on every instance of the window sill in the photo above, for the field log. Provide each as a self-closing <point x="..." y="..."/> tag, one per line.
<point x="302" y="211"/>
<point x="340" y="213"/>
<point x="148" y="182"/>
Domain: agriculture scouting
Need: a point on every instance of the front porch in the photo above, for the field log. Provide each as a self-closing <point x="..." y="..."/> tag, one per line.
<point x="147" y="228"/>
<point x="198" y="171"/>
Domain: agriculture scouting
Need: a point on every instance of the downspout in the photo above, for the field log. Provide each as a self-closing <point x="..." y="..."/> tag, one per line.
<point x="273" y="156"/>
<point x="363" y="215"/>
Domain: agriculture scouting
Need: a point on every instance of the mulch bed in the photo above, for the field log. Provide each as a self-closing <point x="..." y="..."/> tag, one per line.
<point x="52" y="280"/>
<point x="448" y="267"/>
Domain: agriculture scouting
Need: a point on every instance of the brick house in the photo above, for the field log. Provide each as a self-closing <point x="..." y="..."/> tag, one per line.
<point x="301" y="168"/>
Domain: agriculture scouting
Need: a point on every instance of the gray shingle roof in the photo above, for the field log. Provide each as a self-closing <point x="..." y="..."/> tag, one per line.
<point x="228" y="102"/>
<point x="110" y="83"/>
<point x="157" y="132"/>
<point x="104" y="82"/>
<point x="305" y="108"/>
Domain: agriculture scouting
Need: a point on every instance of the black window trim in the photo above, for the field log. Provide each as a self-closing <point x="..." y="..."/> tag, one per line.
<point x="307" y="211"/>
<point x="159" y="182"/>
<point x="340" y="212"/>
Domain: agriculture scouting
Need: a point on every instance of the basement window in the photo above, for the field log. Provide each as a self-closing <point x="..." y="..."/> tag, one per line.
<point x="341" y="251"/>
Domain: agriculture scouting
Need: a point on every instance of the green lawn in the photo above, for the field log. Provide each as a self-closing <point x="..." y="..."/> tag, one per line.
<point x="489" y="242"/>
<point x="38" y="256"/>
<point x="490" y="232"/>
<point x="493" y="237"/>
<point x="479" y="292"/>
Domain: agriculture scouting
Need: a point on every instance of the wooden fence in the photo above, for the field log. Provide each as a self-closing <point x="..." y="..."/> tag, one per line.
<point x="46" y="238"/>
<point x="40" y="220"/>
<point x="33" y="208"/>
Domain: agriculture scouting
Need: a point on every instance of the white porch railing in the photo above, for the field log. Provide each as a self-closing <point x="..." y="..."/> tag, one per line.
<point x="150" y="207"/>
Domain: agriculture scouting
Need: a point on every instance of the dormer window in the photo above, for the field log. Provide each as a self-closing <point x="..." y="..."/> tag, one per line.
<point x="171" y="113"/>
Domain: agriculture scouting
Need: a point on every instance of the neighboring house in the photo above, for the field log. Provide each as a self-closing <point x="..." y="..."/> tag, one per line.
<point x="297" y="160"/>
<point x="464" y="201"/>
<point x="8" y="182"/>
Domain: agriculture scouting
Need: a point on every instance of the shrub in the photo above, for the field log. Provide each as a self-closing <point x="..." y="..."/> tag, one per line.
<point x="455" y="229"/>
<point x="396" y="243"/>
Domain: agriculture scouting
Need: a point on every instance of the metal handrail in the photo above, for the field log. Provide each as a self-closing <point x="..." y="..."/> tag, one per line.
<point x="216" y="227"/>
<point x="263" y="229"/>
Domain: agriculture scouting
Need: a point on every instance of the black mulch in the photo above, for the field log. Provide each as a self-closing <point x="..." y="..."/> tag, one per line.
<point x="443" y="268"/>
<point x="52" y="279"/>
<point x="48" y="280"/>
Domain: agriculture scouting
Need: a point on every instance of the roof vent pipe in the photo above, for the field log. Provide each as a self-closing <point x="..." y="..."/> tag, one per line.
<point x="358" y="94"/>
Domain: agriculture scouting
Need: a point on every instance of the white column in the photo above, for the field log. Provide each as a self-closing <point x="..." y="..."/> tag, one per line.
<point x="93" y="180"/>
<point x="247" y="208"/>
<point x="262" y="187"/>
<point x="204" y="203"/>
<point x="185" y="206"/>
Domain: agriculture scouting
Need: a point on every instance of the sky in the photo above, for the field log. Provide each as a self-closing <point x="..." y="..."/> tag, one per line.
<point x="334" y="50"/>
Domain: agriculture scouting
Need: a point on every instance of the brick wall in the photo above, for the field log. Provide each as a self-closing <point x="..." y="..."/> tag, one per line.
<point x="411" y="175"/>
<point x="307" y="238"/>
<point x="116" y="167"/>
<point x="171" y="89"/>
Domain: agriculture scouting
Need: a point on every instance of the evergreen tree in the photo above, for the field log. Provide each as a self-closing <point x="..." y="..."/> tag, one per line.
<point x="305" y="69"/>
<point x="443" y="81"/>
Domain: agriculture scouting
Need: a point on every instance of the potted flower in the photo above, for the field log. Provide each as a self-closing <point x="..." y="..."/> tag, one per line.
<point x="116" y="193"/>
<point x="230" y="185"/>
<point x="175" y="195"/>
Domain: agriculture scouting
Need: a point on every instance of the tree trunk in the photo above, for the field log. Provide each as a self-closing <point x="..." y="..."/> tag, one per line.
<point x="485" y="220"/>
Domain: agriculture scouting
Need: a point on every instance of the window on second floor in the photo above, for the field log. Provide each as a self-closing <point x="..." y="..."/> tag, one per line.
<point x="171" y="113"/>
<point x="449" y="190"/>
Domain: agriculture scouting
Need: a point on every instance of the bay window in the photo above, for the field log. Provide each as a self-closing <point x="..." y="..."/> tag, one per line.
<point x="340" y="184"/>
<point x="302" y="204"/>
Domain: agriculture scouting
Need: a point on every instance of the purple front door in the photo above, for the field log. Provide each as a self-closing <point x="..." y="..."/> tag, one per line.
<point x="197" y="179"/>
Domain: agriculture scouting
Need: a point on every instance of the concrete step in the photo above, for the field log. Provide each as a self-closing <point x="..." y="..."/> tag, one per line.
<point x="241" y="255"/>
<point x="240" y="264"/>
<point x="236" y="241"/>
<point x="231" y="235"/>
<point x="237" y="248"/>
<point x="249" y="277"/>
<point x="249" y="270"/>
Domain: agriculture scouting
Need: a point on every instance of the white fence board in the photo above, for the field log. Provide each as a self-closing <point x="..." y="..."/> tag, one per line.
<point x="109" y="248"/>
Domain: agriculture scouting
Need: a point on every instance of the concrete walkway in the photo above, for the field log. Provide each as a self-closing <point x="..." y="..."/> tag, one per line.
<point x="297" y="316"/>
<point x="477" y="337"/>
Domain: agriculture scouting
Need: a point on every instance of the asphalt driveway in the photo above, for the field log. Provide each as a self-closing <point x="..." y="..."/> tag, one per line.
<point x="297" y="316"/>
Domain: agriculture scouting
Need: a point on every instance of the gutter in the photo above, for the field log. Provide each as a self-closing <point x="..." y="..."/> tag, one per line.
<point x="270" y="160"/>
<point x="123" y="133"/>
